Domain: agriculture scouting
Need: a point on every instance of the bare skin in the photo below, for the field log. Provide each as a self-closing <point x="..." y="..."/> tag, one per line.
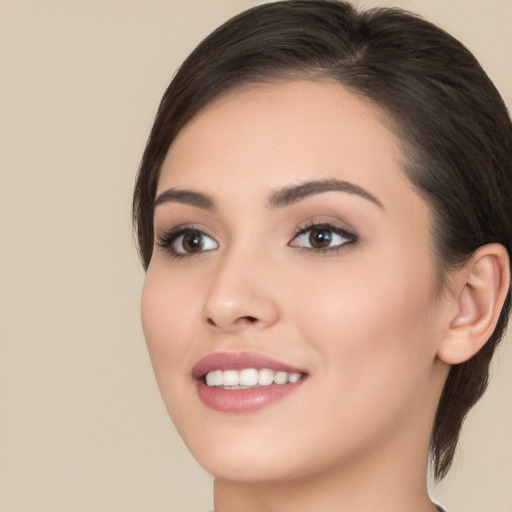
<point x="339" y="281"/>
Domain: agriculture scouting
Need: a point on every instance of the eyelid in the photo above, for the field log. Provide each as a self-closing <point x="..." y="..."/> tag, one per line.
<point x="350" y="237"/>
<point x="167" y="238"/>
<point x="164" y="239"/>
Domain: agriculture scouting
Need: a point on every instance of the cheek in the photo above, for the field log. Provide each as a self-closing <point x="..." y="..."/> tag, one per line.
<point x="372" y="322"/>
<point x="168" y="310"/>
<point x="375" y="357"/>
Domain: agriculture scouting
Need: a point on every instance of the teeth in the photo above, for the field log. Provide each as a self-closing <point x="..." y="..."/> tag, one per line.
<point x="219" y="379"/>
<point x="294" y="377"/>
<point x="265" y="377"/>
<point x="281" y="377"/>
<point x="249" y="377"/>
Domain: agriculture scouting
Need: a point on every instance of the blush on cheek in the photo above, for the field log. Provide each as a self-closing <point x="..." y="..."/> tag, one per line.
<point x="362" y="321"/>
<point x="170" y="313"/>
<point x="157" y="321"/>
<point x="152" y="312"/>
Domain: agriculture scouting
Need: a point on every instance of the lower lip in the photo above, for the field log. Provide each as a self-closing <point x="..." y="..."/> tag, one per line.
<point x="244" y="400"/>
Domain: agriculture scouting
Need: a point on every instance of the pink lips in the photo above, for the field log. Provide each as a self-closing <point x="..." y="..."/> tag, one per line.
<point x="241" y="400"/>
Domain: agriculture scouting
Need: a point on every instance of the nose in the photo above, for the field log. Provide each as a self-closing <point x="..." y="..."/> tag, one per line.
<point x="240" y="295"/>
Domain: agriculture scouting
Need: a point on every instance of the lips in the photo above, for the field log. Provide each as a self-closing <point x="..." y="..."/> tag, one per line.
<point x="239" y="361"/>
<point x="244" y="382"/>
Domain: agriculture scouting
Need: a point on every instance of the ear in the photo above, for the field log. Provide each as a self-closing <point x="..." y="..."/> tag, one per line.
<point x="480" y="289"/>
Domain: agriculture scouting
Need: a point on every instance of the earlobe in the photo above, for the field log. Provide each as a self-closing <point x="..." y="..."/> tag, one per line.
<point x="481" y="289"/>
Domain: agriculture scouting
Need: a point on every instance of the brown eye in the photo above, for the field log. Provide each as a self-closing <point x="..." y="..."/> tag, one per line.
<point x="191" y="242"/>
<point x="320" y="238"/>
<point x="323" y="238"/>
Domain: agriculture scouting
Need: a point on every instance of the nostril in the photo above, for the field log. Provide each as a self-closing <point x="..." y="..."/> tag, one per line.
<point x="241" y="320"/>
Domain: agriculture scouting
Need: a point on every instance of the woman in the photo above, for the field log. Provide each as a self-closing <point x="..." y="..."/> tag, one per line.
<point x="324" y="212"/>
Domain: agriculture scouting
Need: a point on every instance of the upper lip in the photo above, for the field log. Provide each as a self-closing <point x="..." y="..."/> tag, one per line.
<point x="239" y="361"/>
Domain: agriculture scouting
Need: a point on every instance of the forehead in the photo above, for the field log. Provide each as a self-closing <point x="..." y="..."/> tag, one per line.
<point x="272" y="135"/>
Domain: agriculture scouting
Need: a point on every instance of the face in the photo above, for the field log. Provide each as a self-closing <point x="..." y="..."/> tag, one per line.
<point x="290" y="304"/>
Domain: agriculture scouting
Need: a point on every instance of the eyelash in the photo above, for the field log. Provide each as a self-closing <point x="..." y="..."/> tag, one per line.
<point x="351" y="238"/>
<point x="167" y="239"/>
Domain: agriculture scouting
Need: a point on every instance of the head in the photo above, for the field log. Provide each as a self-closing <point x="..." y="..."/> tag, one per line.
<point x="453" y="130"/>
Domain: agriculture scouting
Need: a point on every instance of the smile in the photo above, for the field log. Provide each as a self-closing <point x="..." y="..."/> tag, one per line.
<point x="249" y="377"/>
<point x="244" y="382"/>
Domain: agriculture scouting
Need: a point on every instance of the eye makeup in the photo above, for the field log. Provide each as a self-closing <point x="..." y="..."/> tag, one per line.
<point x="185" y="241"/>
<point x="322" y="237"/>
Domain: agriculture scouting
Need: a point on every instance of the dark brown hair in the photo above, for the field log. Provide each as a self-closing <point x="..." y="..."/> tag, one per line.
<point x="454" y="127"/>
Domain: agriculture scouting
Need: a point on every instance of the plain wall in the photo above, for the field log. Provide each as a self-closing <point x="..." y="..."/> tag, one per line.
<point x="82" y="426"/>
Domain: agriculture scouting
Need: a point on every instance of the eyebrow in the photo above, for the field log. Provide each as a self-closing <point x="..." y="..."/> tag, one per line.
<point x="190" y="197"/>
<point x="279" y="199"/>
<point x="290" y="195"/>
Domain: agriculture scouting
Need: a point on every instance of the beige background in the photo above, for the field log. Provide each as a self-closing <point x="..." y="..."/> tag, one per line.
<point x="82" y="427"/>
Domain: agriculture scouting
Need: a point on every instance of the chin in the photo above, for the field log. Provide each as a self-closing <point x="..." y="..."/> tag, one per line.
<point x="249" y="469"/>
<point x="246" y="460"/>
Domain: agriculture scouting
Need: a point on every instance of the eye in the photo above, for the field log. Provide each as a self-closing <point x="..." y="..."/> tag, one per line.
<point x="185" y="241"/>
<point x="193" y="241"/>
<point x="323" y="237"/>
